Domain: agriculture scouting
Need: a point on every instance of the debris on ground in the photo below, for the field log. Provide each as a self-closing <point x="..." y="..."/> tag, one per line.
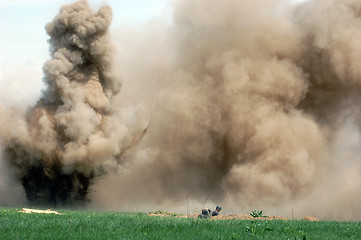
<point x="28" y="210"/>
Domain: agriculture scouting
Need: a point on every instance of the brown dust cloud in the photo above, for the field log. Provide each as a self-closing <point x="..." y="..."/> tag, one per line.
<point x="247" y="104"/>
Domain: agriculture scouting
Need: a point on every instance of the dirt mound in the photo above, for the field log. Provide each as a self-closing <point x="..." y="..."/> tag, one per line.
<point x="233" y="216"/>
<point x="310" y="218"/>
<point x="247" y="217"/>
<point x="162" y="213"/>
<point x="28" y="210"/>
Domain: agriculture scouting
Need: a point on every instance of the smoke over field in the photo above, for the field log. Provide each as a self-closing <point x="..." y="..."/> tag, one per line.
<point x="255" y="102"/>
<point x="71" y="135"/>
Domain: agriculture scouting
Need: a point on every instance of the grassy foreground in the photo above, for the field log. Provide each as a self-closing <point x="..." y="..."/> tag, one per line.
<point x="108" y="225"/>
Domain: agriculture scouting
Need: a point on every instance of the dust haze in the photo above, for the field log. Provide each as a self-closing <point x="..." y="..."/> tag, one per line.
<point x="247" y="104"/>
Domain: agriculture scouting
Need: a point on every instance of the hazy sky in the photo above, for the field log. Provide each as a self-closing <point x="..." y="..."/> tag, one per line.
<point x="23" y="40"/>
<point x="22" y="23"/>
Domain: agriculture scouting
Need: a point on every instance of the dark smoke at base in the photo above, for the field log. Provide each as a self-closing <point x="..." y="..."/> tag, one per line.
<point x="48" y="185"/>
<point x="41" y="188"/>
<point x="72" y="135"/>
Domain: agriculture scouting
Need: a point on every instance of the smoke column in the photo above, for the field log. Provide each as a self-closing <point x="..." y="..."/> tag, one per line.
<point x="252" y="103"/>
<point x="71" y="135"/>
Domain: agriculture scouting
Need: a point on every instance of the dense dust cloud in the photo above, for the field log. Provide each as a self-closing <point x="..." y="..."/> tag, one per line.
<point x="248" y="101"/>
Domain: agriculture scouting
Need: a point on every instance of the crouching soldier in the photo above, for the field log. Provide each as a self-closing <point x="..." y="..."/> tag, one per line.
<point x="206" y="213"/>
<point x="216" y="212"/>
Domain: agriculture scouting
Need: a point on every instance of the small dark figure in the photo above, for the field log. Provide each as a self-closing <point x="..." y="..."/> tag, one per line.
<point x="216" y="212"/>
<point x="206" y="213"/>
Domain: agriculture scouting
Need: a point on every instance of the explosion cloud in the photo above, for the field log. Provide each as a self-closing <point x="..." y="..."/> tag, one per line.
<point x="70" y="136"/>
<point x="248" y="100"/>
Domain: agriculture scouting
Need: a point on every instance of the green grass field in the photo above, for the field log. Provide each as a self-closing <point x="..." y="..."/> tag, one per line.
<point x="110" y="225"/>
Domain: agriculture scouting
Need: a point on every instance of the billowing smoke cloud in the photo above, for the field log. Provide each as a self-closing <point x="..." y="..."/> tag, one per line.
<point x="72" y="135"/>
<point x="253" y="98"/>
<point x="249" y="101"/>
<point x="229" y="119"/>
